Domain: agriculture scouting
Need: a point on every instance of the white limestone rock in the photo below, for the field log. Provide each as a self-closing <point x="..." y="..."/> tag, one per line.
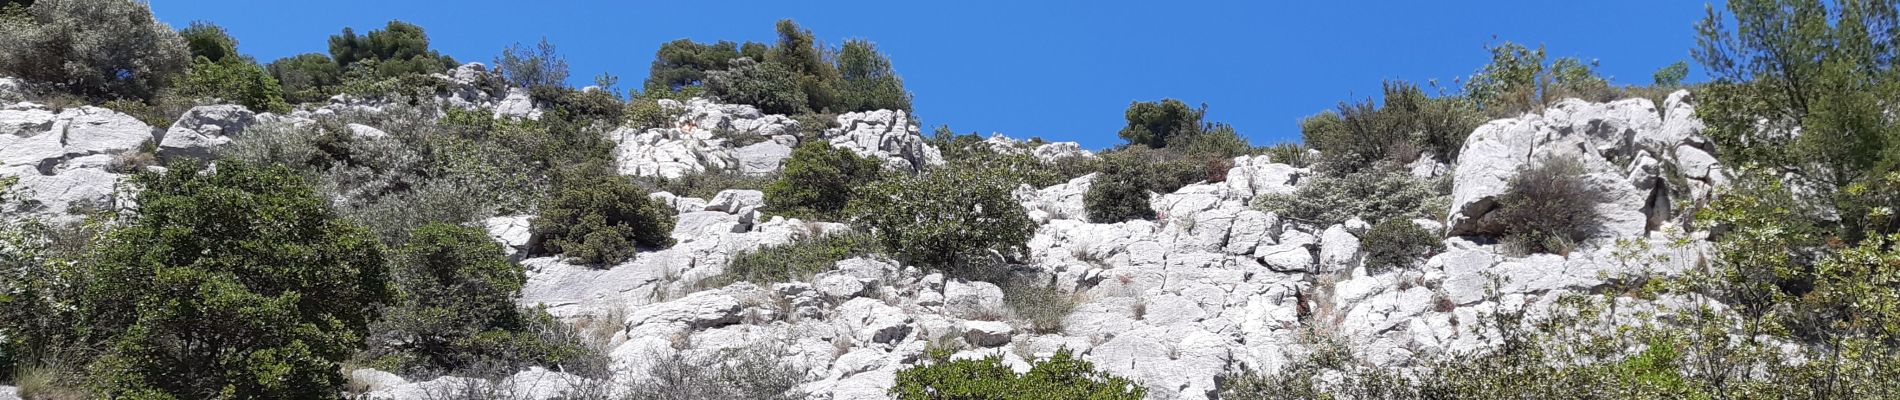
<point x="884" y="134"/>
<point x="517" y="104"/>
<point x="762" y="158"/>
<point x="203" y="129"/>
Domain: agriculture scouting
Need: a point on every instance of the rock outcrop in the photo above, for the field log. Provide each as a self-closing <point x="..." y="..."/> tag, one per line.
<point x="66" y="160"/>
<point x="1623" y="145"/>
<point x="699" y="139"/>
<point x="887" y="135"/>
<point x="203" y="129"/>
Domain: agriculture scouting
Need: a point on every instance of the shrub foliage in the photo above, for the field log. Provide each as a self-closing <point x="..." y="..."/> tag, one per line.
<point x="946" y="219"/>
<point x="101" y="49"/>
<point x="1062" y="376"/>
<point x="602" y="218"/>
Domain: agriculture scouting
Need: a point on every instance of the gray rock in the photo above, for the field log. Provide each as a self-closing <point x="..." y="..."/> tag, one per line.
<point x="361" y="131"/>
<point x="203" y="129"/>
<point x="884" y="134"/>
<point x="986" y="333"/>
<point x="1339" y="249"/>
<point x="972" y="299"/>
<point x="736" y="201"/>
<point x="517" y="104"/>
<point x="762" y="158"/>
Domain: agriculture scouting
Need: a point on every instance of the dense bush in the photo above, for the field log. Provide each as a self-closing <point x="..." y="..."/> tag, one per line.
<point x="218" y="71"/>
<point x="866" y="81"/>
<point x="539" y="67"/>
<point x="602" y="217"/>
<point x="400" y="48"/>
<point x="1806" y="88"/>
<point x="1062" y="376"/>
<point x="1120" y="191"/>
<point x="792" y="76"/>
<point x="306" y="78"/>
<point x="945" y="219"/>
<point x="1410" y="123"/>
<point x="769" y="86"/>
<point x="102" y="49"/>
<point x="1549" y="207"/>
<point x="237" y="282"/>
<point x="1154" y="123"/>
<point x="684" y="64"/>
<point x="798" y="260"/>
<point x="1376" y="195"/>
<point x="457" y="311"/>
<point x="1398" y="243"/>
<point x="234" y="80"/>
<point x="817" y="181"/>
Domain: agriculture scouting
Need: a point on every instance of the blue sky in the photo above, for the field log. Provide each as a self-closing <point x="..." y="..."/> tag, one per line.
<point x="1060" y="70"/>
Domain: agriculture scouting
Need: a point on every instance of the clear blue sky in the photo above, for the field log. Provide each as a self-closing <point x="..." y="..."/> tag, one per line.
<point x="1061" y="70"/>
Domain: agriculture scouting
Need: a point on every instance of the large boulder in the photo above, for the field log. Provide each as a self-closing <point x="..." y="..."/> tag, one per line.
<point x="887" y="135"/>
<point x="203" y="129"/>
<point x="517" y="104"/>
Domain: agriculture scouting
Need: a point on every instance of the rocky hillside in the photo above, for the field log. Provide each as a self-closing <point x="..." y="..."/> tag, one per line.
<point x="1212" y="285"/>
<point x="771" y="221"/>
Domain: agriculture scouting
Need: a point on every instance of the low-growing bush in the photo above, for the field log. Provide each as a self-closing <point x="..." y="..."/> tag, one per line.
<point x="1398" y="243"/>
<point x="236" y="81"/>
<point x="769" y="86"/>
<point x="602" y="217"/>
<point x="1362" y="135"/>
<point x="1155" y="123"/>
<point x="818" y="180"/>
<point x="1549" y="207"/>
<point x="755" y="372"/>
<point x="797" y="260"/>
<point x="1062" y="376"/>
<point x="1042" y="305"/>
<point x="944" y="217"/>
<point x="1017" y="167"/>
<point x="1375" y="195"/>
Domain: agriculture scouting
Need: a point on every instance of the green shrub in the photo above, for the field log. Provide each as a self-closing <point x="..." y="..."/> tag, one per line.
<point x="101" y="49"/>
<point x="1214" y="141"/>
<point x="1549" y="207"/>
<point x="1372" y="195"/>
<point x="1363" y="134"/>
<point x="944" y="219"/>
<point x="800" y="259"/>
<point x="306" y="78"/>
<point x="1294" y="154"/>
<point x="969" y="151"/>
<point x="1154" y="123"/>
<point x="210" y="41"/>
<point x="535" y="68"/>
<point x="1060" y="377"/>
<point x="1398" y="243"/>
<point x="233" y="80"/>
<point x="457" y="310"/>
<point x="1120" y="192"/>
<point x="239" y="281"/>
<point x="866" y="81"/>
<point x="1672" y="75"/>
<point x="1043" y="306"/>
<point x="601" y="217"/>
<point x="818" y="180"/>
<point x="399" y="49"/>
<point x="770" y="86"/>
<point x="684" y="64"/>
